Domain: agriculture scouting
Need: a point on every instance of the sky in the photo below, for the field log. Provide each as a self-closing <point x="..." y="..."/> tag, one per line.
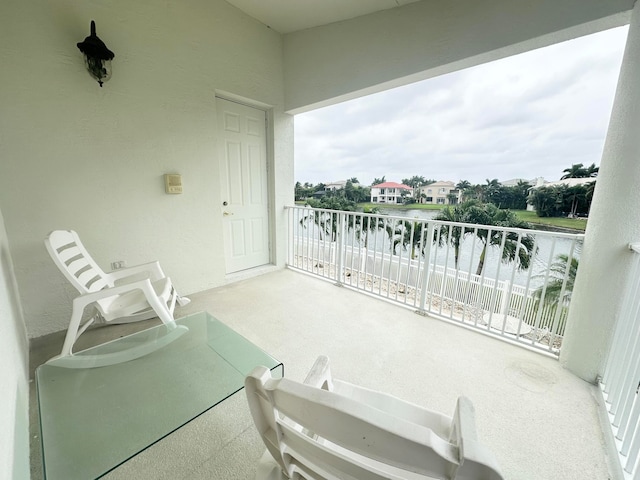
<point x="527" y="116"/>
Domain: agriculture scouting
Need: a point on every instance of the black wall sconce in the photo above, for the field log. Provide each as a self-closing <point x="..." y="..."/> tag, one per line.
<point x="97" y="57"/>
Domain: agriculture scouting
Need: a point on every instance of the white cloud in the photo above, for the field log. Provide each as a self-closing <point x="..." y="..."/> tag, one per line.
<point x="525" y="116"/>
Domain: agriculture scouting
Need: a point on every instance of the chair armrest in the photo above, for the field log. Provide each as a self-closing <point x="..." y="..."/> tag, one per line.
<point x="155" y="302"/>
<point x="320" y="374"/>
<point x="463" y="424"/>
<point x="151" y="270"/>
<point x="476" y="461"/>
<point x="87" y="298"/>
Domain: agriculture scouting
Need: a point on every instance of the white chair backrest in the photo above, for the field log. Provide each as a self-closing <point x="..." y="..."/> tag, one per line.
<point x="74" y="261"/>
<point x="317" y="434"/>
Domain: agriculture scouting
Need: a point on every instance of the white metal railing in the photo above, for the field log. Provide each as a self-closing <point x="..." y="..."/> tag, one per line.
<point x="434" y="267"/>
<point x="621" y="381"/>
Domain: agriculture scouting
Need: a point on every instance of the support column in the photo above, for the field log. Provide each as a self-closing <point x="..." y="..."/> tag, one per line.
<point x="614" y="222"/>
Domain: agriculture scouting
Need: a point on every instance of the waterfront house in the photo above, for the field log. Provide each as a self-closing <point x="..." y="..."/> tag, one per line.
<point x="390" y="193"/>
<point x="440" y="193"/>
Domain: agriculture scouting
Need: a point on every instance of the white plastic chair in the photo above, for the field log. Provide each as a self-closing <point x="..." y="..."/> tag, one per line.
<point x="331" y="429"/>
<point x="122" y="296"/>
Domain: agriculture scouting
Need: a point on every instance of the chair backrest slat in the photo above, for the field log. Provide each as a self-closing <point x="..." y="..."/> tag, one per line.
<point x="74" y="261"/>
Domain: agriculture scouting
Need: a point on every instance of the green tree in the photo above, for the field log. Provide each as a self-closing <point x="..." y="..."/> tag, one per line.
<point x="561" y="200"/>
<point x="355" y="193"/>
<point x="576" y="194"/>
<point x="363" y="225"/>
<point x="327" y="222"/>
<point x="592" y="171"/>
<point x="475" y="192"/>
<point x="553" y="294"/>
<point x="406" y="233"/>
<point x="415" y="182"/>
<point x="578" y="170"/>
<point x="451" y="233"/>
<point x="548" y="201"/>
<point x="452" y="198"/>
<point x="590" y="188"/>
<point x="518" y="248"/>
<point x="378" y="181"/>
<point x="463" y="186"/>
<point x="490" y="191"/>
<point x="303" y="191"/>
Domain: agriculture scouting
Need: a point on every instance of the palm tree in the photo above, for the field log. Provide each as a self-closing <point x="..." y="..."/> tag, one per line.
<point x="414" y="234"/>
<point x="327" y="222"/>
<point x="475" y="192"/>
<point x="592" y="170"/>
<point x="575" y="193"/>
<point x="463" y="186"/>
<point x="454" y="234"/>
<point x="578" y="170"/>
<point x="591" y="187"/>
<point x="363" y="225"/>
<point x="517" y="247"/>
<point x="490" y="190"/>
<point x="553" y="289"/>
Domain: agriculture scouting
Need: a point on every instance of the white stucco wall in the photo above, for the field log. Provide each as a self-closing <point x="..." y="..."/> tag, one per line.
<point x="77" y="156"/>
<point x="14" y="386"/>
<point x="421" y="40"/>
<point x="614" y="222"/>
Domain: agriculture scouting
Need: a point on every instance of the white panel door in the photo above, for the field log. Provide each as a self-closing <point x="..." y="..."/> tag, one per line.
<point x="244" y="196"/>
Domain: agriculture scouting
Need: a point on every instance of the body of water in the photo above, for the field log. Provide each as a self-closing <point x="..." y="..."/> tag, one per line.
<point x="548" y="248"/>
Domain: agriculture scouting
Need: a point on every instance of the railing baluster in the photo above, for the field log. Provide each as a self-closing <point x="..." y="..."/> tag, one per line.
<point x="332" y="244"/>
<point x="621" y="381"/>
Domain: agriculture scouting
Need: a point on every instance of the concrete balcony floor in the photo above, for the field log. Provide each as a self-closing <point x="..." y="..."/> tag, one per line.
<point x="540" y="421"/>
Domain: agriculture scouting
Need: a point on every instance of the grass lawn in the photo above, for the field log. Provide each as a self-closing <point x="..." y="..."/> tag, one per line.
<point x="574" y="223"/>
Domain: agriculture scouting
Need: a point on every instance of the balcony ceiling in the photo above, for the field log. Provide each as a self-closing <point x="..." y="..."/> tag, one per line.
<point x="286" y="16"/>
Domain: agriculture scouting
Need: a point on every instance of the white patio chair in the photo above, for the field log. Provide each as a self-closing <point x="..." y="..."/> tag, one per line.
<point x="331" y="429"/>
<point x="122" y="296"/>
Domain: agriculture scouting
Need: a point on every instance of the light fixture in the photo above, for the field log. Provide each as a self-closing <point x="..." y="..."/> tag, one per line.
<point x="97" y="57"/>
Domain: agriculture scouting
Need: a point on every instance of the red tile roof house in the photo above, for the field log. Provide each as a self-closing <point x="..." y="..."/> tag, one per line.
<point x="390" y="192"/>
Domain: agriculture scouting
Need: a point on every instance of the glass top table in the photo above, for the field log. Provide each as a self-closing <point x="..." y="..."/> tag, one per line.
<point x="94" y="419"/>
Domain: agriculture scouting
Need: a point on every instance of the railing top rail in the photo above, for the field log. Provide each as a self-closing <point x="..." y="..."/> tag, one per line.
<point x="471" y="226"/>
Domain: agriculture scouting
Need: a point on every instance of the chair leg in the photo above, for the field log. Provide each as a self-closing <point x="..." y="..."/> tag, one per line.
<point x="182" y="301"/>
<point x="75" y="330"/>
<point x="157" y="305"/>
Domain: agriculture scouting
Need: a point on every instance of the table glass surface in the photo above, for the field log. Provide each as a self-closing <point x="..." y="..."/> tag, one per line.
<point x="94" y="419"/>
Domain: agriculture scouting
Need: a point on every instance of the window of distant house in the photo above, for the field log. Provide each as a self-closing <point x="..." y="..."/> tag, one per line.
<point x="441" y="201"/>
<point x="442" y="190"/>
<point x="392" y="190"/>
<point x="382" y="191"/>
<point x="429" y="199"/>
<point x="428" y="190"/>
<point x="374" y="199"/>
